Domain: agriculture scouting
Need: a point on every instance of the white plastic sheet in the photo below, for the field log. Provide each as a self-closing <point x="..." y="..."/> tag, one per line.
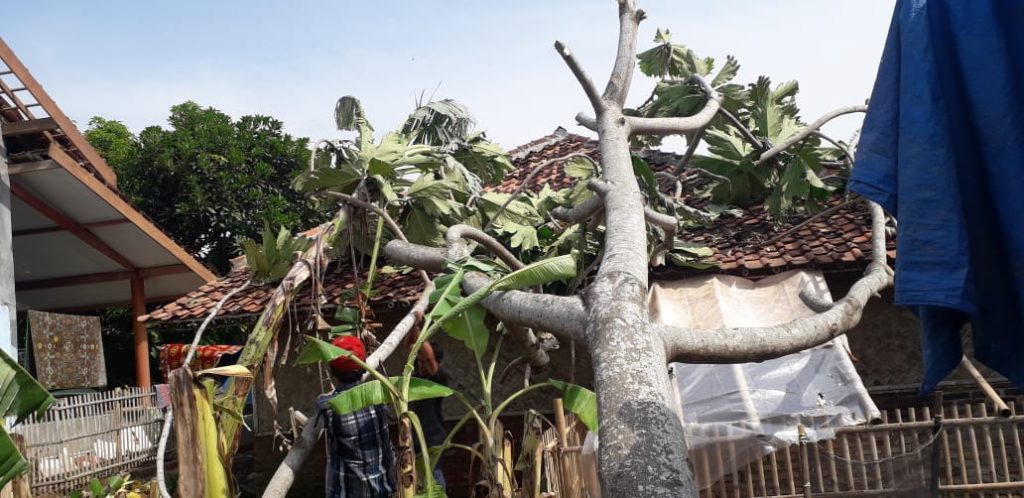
<point x="736" y="414"/>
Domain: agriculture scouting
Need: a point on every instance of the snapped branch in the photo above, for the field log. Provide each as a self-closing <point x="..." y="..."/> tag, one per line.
<point x="747" y="344"/>
<point x="560" y="315"/>
<point x="679" y="125"/>
<point x="581" y="76"/>
<point x="808" y="130"/>
<point x="563" y="316"/>
<point x="668" y="224"/>
<point x="456" y="235"/>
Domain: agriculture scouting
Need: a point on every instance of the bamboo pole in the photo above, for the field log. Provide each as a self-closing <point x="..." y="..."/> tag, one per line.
<point x="887" y="448"/>
<point x="566" y="490"/>
<point x="761" y="476"/>
<point x="989" y="450"/>
<point x="936" y="416"/>
<point x="832" y="464"/>
<point x="735" y="474"/>
<point x="960" y="446"/>
<point x="1016" y="443"/>
<point x="719" y="460"/>
<point x="1003" y="410"/>
<point x="775" y="472"/>
<point x="790" y="474"/>
<point x="805" y="467"/>
<point x="873" y="446"/>
<point x="849" y="464"/>
<point x="973" y="439"/>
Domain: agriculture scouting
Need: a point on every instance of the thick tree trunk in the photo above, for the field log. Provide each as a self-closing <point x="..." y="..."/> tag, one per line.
<point x="643" y="450"/>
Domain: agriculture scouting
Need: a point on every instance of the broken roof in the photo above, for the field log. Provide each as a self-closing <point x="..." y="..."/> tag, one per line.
<point x="748" y="245"/>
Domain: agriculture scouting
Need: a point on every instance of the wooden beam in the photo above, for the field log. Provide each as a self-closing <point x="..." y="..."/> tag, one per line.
<point x="139" y="332"/>
<point x="126" y="210"/>
<point x="63" y="122"/>
<point x="29" y="126"/>
<point x="20" y="168"/>
<point x="58" y="228"/>
<point x="70" y="225"/>
<point x="97" y="278"/>
<point x="114" y="304"/>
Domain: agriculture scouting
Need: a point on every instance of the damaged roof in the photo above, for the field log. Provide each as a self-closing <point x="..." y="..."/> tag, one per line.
<point x="749" y="244"/>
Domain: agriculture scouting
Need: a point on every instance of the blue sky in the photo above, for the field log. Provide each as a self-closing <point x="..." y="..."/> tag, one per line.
<point x="132" y="60"/>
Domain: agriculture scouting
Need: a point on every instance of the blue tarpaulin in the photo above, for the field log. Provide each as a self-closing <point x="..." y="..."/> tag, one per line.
<point x="942" y="149"/>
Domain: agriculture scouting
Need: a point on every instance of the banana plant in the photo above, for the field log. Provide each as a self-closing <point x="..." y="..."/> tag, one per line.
<point x="21" y="397"/>
<point x="462" y="318"/>
<point x="425" y="172"/>
<point x="270" y="260"/>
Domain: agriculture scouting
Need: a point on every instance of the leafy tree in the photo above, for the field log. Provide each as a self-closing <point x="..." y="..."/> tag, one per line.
<point x="209" y="179"/>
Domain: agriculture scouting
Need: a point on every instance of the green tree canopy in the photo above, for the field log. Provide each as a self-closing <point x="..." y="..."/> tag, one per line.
<point x="209" y="179"/>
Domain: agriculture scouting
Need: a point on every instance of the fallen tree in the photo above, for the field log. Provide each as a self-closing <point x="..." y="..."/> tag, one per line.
<point x="643" y="448"/>
<point x="428" y="177"/>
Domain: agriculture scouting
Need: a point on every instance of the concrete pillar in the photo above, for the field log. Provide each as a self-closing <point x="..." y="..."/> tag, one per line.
<point x="8" y="304"/>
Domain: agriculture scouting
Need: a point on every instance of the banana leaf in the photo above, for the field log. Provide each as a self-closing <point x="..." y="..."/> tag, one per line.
<point x="20" y="396"/>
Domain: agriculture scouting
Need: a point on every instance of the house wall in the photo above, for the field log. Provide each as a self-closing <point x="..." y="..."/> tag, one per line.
<point x="886" y="345"/>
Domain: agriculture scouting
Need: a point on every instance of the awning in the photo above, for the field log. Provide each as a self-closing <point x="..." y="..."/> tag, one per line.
<point x="77" y="243"/>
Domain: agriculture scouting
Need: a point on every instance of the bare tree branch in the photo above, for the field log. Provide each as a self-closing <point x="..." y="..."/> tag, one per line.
<point x="625" y="58"/>
<point x="691" y="149"/>
<point x="291" y="466"/>
<point x="563" y="316"/>
<point x="526" y="182"/>
<point x="535" y="355"/>
<point x="668" y="224"/>
<point x="813" y="217"/>
<point x="747" y="134"/>
<point x="679" y="125"/>
<point x="807" y="131"/>
<point x="675" y="126"/>
<point x="165" y="432"/>
<point x="579" y="213"/>
<point x="431" y="259"/>
<point x="395" y="228"/>
<point x="581" y="76"/>
<point x="586" y="121"/>
<point x="747" y="344"/>
<point x="557" y="314"/>
<point x="457" y="249"/>
<point x="394" y="339"/>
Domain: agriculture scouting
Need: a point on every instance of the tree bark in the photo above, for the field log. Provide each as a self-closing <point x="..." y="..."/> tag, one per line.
<point x="297" y="455"/>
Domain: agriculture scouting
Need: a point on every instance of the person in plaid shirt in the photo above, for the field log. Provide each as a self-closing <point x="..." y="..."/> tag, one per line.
<point x="360" y="457"/>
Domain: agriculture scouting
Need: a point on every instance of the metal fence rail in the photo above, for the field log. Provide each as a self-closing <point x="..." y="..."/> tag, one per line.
<point x="91" y="435"/>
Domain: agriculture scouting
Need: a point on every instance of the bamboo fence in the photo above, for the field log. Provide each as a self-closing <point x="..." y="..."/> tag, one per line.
<point x="91" y="435"/>
<point x="965" y="449"/>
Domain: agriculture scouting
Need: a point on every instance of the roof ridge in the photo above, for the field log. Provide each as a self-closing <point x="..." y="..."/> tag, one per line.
<point x="559" y="135"/>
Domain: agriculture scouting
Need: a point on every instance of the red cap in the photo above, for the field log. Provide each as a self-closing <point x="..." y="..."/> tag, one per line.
<point x="343" y="364"/>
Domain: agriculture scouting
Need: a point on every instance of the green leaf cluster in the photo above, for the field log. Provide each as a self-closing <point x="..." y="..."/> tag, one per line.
<point x="789" y="183"/>
<point x="270" y="260"/>
<point x="208" y="179"/>
<point x="20" y="396"/>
